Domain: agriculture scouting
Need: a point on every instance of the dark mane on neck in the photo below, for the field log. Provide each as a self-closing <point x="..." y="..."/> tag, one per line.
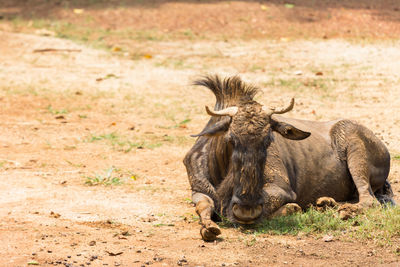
<point x="229" y="91"/>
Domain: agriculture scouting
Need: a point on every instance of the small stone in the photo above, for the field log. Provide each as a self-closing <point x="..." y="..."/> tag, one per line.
<point x="327" y="238"/>
<point x="182" y="261"/>
<point x="92" y="243"/>
<point x="298" y="72"/>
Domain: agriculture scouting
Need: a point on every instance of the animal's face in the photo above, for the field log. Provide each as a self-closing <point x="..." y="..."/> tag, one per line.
<point x="249" y="135"/>
<point x="247" y="131"/>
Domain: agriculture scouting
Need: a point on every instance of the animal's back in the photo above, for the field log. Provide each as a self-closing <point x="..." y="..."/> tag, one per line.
<point x="313" y="166"/>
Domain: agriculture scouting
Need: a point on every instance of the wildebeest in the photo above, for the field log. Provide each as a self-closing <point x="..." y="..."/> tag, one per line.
<point x="250" y="163"/>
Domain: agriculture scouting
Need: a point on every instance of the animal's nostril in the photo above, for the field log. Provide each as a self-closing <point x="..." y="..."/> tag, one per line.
<point x="236" y="201"/>
<point x="246" y="202"/>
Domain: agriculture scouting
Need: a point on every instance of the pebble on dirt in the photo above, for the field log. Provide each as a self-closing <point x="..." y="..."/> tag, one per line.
<point x="182" y="261"/>
<point x="327" y="238"/>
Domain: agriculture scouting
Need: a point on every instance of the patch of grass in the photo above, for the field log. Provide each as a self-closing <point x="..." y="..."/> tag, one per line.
<point x="322" y="87"/>
<point x="163" y="224"/>
<point x="195" y="218"/>
<point x="174" y="63"/>
<point x="178" y="140"/>
<point x="147" y="35"/>
<point x="311" y="221"/>
<point x="188" y="200"/>
<point x="181" y="124"/>
<point x="149" y="141"/>
<point x="251" y="242"/>
<point x="56" y="111"/>
<point x="108" y="178"/>
<point x="152" y="189"/>
<point x="77" y="165"/>
<point x="381" y="224"/>
<point x="121" y="143"/>
<point x="255" y="68"/>
<point x="69" y="147"/>
<point x="318" y="83"/>
<point x="291" y="83"/>
<point x="48" y="145"/>
<point x="113" y="137"/>
<point x="396" y="157"/>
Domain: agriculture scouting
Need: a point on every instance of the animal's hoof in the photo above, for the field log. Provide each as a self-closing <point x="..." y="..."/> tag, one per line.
<point x="292" y="208"/>
<point x="348" y="211"/>
<point x="367" y="202"/>
<point x="286" y="210"/>
<point x="210" y="232"/>
<point x="325" y="202"/>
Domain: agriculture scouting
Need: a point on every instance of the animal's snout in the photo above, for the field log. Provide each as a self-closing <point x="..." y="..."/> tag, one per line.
<point x="246" y="214"/>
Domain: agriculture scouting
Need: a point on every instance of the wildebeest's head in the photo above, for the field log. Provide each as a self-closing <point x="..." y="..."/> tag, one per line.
<point x="244" y="127"/>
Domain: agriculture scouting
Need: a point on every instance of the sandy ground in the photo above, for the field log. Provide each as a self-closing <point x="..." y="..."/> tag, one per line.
<point x="53" y="103"/>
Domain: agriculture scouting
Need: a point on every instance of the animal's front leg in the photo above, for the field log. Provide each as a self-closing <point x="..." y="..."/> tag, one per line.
<point x="205" y="208"/>
<point x="279" y="201"/>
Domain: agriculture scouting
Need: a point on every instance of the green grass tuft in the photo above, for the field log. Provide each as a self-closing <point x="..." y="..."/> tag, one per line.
<point x="56" y="111"/>
<point x="311" y="221"/>
<point x="121" y="143"/>
<point x="104" y="179"/>
<point x="381" y="224"/>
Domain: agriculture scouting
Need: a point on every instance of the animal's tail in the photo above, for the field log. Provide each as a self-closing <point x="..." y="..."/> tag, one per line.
<point x="385" y="194"/>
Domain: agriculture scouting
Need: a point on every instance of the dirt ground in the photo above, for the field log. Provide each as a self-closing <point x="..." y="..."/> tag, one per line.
<point x="67" y="116"/>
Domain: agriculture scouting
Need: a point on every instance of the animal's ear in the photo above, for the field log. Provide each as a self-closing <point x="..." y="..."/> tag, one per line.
<point x="289" y="131"/>
<point x="215" y="129"/>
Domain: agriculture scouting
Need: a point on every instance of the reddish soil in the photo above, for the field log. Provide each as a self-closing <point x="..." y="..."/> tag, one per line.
<point x="53" y="106"/>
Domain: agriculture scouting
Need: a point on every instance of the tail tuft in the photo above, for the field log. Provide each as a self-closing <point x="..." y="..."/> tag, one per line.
<point x="385" y="194"/>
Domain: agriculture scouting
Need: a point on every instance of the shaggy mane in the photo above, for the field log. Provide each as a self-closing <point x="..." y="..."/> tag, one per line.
<point x="228" y="91"/>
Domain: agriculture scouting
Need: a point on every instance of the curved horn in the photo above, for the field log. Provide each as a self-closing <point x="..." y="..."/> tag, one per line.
<point x="279" y="111"/>
<point x="230" y="111"/>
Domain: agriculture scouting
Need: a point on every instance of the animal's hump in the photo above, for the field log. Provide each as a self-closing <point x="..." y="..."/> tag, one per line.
<point x="228" y="91"/>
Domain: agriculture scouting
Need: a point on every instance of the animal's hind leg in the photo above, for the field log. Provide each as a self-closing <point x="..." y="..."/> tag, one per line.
<point x="357" y="161"/>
